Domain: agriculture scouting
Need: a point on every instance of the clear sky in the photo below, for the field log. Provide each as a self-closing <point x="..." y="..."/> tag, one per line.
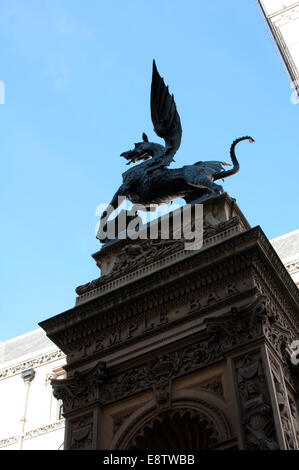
<point x="77" y="81"/>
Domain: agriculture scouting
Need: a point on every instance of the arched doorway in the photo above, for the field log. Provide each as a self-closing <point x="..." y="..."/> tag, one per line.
<point x="175" y="430"/>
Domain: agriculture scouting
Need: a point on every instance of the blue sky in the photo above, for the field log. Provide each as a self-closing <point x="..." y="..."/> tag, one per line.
<point x="77" y="82"/>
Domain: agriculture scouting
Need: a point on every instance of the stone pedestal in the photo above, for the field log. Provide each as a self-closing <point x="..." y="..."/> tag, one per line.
<point x="183" y="350"/>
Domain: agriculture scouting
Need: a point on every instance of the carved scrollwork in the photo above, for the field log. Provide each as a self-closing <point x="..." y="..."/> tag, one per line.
<point x="82" y="389"/>
<point x="153" y="372"/>
<point x="239" y="325"/>
<point x="224" y="333"/>
<point x="134" y="256"/>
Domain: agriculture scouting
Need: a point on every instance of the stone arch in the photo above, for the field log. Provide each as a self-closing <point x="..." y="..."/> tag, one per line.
<point x="190" y="424"/>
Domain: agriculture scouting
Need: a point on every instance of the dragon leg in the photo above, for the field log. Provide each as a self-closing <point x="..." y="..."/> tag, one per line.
<point x="203" y="181"/>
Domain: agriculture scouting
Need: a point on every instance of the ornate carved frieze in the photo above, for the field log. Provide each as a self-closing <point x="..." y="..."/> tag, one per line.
<point x="222" y="334"/>
<point x="200" y="264"/>
<point x="133" y="256"/>
<point x="154" y="373"/>
<point x="31" y="363"/>
<point x="162" y="310"/>
<point x="238" y="326"/>
<point x="8" y="441"/>
<point x="33" y="433"/>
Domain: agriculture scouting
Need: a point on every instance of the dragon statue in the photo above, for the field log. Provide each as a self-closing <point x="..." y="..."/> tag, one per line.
<point x="151" y="182"/>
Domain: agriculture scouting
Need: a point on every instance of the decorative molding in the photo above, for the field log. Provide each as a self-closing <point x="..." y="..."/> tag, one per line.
<point x="119" y="419"/>
<point x="214" y="386"/>
<point x="33" y="433"/>
<point x="91" y="290"/>
<point x="82" y="389"/>
<point x="161" y="311"/>
<point x="283" y="406"/>
<point x="292" y="267"/>
<point x="196" y="420"/>
<point x="256" y="414"/>
<point x="8" y="441"/>
<point x="31" y="363"/>
<point x="81" y="430"/>
<point x="162" y="391"/>
<point x="197" y="406"/>
<point x="203" y="268"/>
<point x="222" y="334"/>
<point x="44" y="429"/>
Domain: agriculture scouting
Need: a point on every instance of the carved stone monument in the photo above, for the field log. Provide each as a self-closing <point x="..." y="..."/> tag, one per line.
<point x="176" y="349"/>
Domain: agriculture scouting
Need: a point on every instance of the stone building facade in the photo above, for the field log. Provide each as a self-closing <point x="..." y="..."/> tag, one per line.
<point x="208" y="342"/>
<point x="182" y="350"/>
<point x="31" y="418"/>
<point x="282" y="17"/>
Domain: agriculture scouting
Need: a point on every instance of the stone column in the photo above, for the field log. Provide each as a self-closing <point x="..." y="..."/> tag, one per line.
<point x="82" y="407"/>
<point x="251" y="390"/>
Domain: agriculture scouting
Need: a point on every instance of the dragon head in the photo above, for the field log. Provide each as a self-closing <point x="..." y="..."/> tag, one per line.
<point x="142" y="150"/>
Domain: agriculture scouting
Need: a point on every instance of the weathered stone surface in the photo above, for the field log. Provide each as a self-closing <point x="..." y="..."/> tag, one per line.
<point x="203" y="337"/>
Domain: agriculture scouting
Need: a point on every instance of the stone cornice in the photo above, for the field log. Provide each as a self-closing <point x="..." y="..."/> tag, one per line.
<point x="151" y="268"/>
<point x="232" y="253"/>
<point x="37" y="361"/>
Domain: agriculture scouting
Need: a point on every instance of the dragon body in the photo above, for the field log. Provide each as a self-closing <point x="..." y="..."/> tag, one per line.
<point x="151" y="182"/>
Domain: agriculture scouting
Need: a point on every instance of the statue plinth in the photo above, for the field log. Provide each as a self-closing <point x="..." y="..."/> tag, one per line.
<point x="122" y="260"/>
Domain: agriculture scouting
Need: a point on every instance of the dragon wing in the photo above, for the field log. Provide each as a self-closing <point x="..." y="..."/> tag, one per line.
<point x="165" y="118"/>
<point x="212" y="167"/>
